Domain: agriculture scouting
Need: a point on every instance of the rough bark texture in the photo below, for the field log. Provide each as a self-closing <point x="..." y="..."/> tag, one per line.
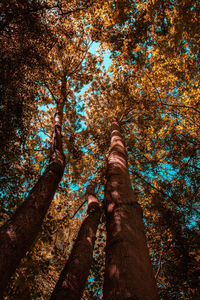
<point x="18" y="234"/>
<point x="73" y="278"/>
<point x="128" y="273"/>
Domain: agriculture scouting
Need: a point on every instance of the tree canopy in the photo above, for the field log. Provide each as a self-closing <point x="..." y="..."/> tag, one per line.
<point x="152" y="86"/>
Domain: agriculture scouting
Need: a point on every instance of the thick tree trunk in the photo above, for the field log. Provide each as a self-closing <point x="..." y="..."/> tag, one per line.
<point x="18" y="234"/>
<point x="73" y="278"/>
<point x="128" y="271"/>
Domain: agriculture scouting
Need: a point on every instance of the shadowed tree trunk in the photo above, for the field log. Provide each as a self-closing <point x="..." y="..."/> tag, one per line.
<point x="73" y="278"/>
<point x="128" y="271"/>
<point x="18" y="234"/>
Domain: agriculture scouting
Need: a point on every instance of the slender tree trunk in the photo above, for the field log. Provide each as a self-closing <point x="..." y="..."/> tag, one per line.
<point x="18" y="234"/>
<point x="128" y="271"/>
<point x="73" y="278"/>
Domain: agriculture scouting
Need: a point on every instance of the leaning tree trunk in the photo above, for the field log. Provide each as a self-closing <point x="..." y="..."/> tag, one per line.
<point x="128" y="270"/>
<point x="18" y="234"/>
<point x="71" y="283"/>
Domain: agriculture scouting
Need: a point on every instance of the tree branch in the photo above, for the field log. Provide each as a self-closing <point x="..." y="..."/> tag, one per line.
<point x="92" y="182"/>
<point x="65" y="13"/>
<point x="166" y="104"/>
<point x="159" y="264"/>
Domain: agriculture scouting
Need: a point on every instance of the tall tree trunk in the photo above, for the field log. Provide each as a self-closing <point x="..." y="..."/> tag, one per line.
<point x="18" y="234"/>
<point x="128" y="271"/>
<point x="73" y="278"/>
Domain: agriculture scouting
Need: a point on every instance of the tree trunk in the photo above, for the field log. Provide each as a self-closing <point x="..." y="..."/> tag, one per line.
<point x="18" y="234"/>
<point x="73" y="278"/>
<point x="128" y="271"/>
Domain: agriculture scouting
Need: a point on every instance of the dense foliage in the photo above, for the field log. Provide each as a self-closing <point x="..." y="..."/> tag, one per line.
<point x="152" y="86"/>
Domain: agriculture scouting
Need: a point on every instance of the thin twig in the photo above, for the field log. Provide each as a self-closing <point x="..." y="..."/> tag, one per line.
<point x="182" y="106"/>
<point x="76" y="68"/>
<point x="160" y="263"/>
<point x="78" y="209"/>
<point x="47" y="86"/>
<point x="76" y="9"/>
<point x="100" y="173"/>
<point x="158" y="190"/>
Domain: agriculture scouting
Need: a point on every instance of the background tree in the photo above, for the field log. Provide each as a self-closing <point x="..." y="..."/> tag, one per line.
<point x="73" y="277"/>
<point x="65" y="74"/>
<point x="25" y="42"/>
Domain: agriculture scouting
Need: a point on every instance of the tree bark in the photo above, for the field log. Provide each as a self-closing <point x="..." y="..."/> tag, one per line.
<point x="73" y="278"/>
<point x="18" y="234"/>
<point x="128" y="270"/>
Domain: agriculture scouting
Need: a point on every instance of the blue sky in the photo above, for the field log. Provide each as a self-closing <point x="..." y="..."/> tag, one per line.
<point x="107" y="60"/>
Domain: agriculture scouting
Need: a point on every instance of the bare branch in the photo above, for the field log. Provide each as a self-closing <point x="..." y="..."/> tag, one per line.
<point x="160" y="263"/>
<point x="49" y="89"/>
<point x="90" y="188"/>
<point x="82" y="204"/>
<point x="80" y="63"/>
<point x="182" y="106"/>
<point x="65" y="13"/>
